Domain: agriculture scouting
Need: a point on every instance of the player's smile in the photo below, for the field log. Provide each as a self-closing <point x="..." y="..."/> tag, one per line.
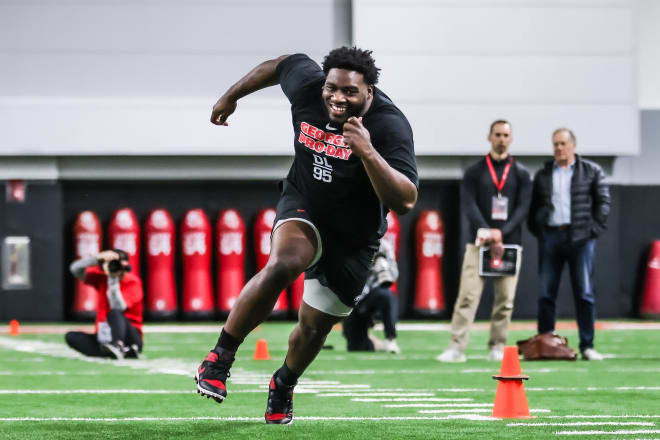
<point x="345" y="94"/>
<point x="338" y="109"/>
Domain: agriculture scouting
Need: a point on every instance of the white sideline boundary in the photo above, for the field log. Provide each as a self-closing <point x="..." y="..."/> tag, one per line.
<point x="97" y="392"/>
<point x="585" y="424"/>
<point x="439" y="405"/>
<point x="351" y="394"/>
<point x="436" y="411"/>
<point x="407" y="399"/>
<point x="622" y="432"/>
<point x="545" y="389"/>
<point x="302" y="390"/>
<point x="237" y="419"/>
<point x="603" y="416"/>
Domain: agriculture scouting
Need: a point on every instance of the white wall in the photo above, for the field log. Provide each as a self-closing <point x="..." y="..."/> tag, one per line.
<point x="642" y="169"/>
<point x="140" y="77"/>
<point x="649" y="55"/>
<point x="101" y="77"/>
<point x="455" y="66"/>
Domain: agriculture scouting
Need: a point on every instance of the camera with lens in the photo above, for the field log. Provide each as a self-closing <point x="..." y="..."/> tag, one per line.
<point x="117" y="265"/>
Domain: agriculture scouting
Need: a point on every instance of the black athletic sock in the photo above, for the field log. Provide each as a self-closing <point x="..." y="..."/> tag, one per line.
<point x="227" y="342"/>
<point x="287" y="376"/>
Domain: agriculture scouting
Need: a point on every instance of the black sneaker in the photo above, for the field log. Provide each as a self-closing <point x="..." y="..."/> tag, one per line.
<point x="279" y="409"/>
<point x="212" y="375"/>
<point x="132" y="352"/>
<point x="114" y="350"/>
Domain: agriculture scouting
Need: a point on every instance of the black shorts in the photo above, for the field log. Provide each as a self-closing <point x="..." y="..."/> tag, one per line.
<point x="341" y="265"/>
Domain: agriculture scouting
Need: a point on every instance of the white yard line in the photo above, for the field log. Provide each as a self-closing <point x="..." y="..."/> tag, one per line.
<point x="633" y="370"/>
<point x="435" y="411"/>
<point x="592" y="389"/>
<point x="603" y="416"/>
<point x="301" y="390"/>
<point x="373" y="394"/>
<point x="610" y="389"/>
<point x="407" y="399"/>
<point x="191" y="391"/>
<point x="622" y="432"/>
<point x="585" y="424"/>
<point x="408" y="391"/>
<point x="526" y="370"/>
<point x="232" y="419"/>
<point x="352" y="387"/>
<point x="434" y="371"/>
<point x="98" y="391"/>
<point x="419" y="327"/>
<point x="438" y="405"/>
<point x="630" y="356"/>
<point x="462" y="390"/>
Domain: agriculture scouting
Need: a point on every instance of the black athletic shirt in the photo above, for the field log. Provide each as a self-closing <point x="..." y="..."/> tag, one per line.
<point x="324" y="171"/>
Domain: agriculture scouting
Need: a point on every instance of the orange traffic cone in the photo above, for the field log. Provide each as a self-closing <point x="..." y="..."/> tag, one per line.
<point x="510" y="399"/>
<point x="14" y="327"/>
<point x="261" y="350"/>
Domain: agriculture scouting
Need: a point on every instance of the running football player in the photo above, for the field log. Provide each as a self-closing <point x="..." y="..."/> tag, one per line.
<point x="354" y="160"/>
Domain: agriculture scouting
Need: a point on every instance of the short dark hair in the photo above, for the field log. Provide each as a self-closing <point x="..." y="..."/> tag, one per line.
<point x="123" y="256"/>
<point x="499" y="121"/>
<point x="567" y="130"/>
<point x="355" y="59"/>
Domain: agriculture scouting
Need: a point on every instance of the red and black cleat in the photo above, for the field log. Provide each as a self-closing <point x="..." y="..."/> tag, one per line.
<point x="212" y="375"/>
<point x="279" y="409"/>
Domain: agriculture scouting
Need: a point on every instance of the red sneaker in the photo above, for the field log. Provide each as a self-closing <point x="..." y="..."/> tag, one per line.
<point x="279" y="409"/>
<point x="212" y="375"/>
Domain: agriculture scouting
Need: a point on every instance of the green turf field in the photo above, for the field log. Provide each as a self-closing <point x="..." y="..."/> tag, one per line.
<point x="47" y="392"/>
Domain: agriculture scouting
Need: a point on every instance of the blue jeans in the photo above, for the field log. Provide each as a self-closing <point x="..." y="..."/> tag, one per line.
<point x="556" y="249"/>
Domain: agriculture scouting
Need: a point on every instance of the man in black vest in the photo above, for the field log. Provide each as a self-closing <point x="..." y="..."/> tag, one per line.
<point x="495" y="197"/>
<point x="570" y="206"/>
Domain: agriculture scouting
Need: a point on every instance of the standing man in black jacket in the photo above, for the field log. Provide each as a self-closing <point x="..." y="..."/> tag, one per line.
<point x="495" y="197"/>
<point x="570" y="206"/>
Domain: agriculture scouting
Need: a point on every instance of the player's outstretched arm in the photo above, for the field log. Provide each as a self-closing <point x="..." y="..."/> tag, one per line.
<point x="78" y="267"/>
<point x="393" y="188"/>
<point x="260" y="77"/>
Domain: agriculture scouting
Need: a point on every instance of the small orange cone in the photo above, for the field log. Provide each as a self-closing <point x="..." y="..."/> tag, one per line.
<point x="261" y="350"/>
<point x="14" y="327"/>
<point x="510" y="399"/>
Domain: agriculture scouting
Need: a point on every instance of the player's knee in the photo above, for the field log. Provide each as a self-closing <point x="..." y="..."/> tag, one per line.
<point x="283" y="270"/>
<point x="311" y="332"/>
<point x="312" y="326"/>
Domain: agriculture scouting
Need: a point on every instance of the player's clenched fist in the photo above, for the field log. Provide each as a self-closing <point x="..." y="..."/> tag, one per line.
<point x="356" y="136"/>
<point x="221" y="111"/>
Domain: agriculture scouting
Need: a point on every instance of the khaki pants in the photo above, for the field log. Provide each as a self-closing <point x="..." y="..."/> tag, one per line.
<point x="469" y="294"/>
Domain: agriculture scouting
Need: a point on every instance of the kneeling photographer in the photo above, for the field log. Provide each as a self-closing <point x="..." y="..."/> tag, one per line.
<point x="118" y="327"/>
<point x="377" y="301"/>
